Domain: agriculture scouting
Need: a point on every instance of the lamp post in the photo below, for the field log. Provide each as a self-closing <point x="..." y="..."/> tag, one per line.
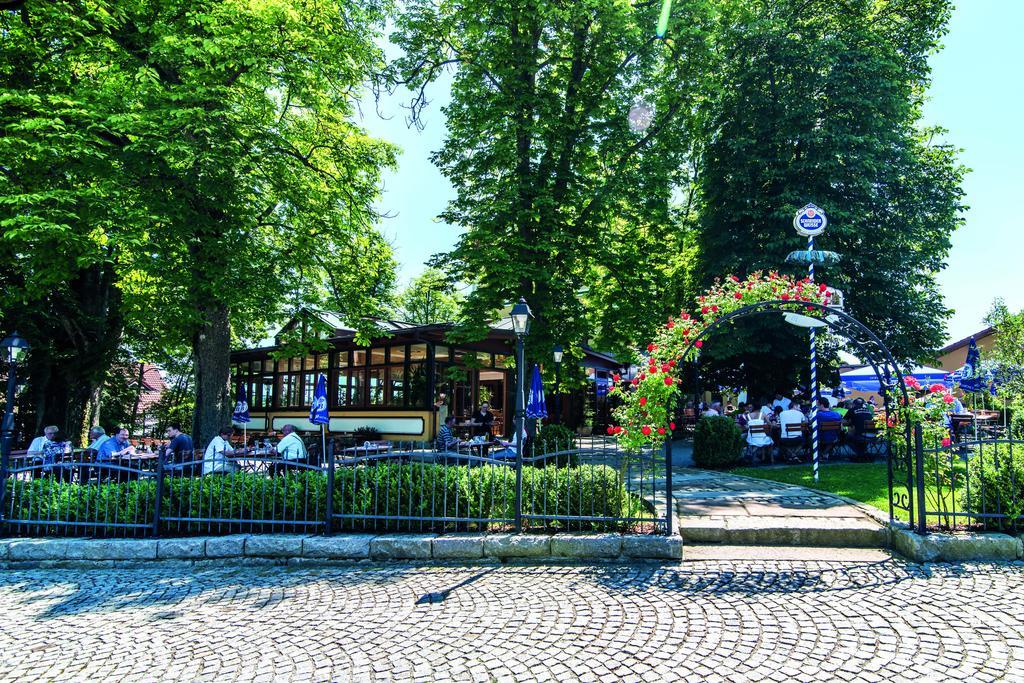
<point x="11" y="350"/>
<point x="521" y="326"/>
<point x="557" y="353"/>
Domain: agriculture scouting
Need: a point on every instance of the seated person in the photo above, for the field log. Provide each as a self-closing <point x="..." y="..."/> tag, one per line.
<point x="758" y="439"/>
<point x="508" y="449"/>
<point x="483" y="417"/>
<point x="791" y="422"/>
<point x="826" y="414"/>
<point x="36" y="447"/>
<point x="446" y="440"/>
<point x="741" y="415"/>
<point x="776" y="415"/>
<point x="215" y="459"/>
<point x="858" y="419"/>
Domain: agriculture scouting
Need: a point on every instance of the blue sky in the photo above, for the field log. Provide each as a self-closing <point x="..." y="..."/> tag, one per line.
<point x="975" y="94"/>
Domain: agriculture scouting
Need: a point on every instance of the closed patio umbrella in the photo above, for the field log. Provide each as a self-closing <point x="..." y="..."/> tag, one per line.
<point x="535" y="406"/>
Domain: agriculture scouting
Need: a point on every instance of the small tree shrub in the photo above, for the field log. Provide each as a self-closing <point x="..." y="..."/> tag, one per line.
<point x="717" y="443"/>
<point x="995" y="485"/>
<point x="554" y="438"/>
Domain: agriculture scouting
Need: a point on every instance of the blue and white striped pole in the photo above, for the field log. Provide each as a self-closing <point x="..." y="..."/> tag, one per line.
<point x="814" y="371"/>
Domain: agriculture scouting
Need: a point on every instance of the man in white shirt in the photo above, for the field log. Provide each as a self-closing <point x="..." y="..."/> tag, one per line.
<point x="215" y="459"/>
<point x="792" y="420"/>
<point x="49" y="433"/>
<point x="97" y="435"/>
<point x="782" y="402"/>
<point x="290" y="448"/>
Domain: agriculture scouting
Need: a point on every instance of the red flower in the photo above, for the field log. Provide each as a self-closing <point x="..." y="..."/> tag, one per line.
<point x="822" y="287"/>
<point x="948" y="398"/>
<point x="616" y="377"/>
<point x="671" y="363"/>
<point x="670" y="325"/>
<point x="643" y="400"/>
<point x="619" y="430"/>
<point x="611" y="430"/>
<point x="672" y="426"/>
<point x="635" y="381"/>
<point x="705" y="310"/>
<point x="645" y="430"/>
<point x="652" y="348"/>
<point x="666" y="367"/>
<point x="947" y="442"/>
<point x="738" y="295"/>
<point x="734" y="278"/>
<point x="699" y="344"/>
<point x="714" y="309"/>
<point x="668" y="381"/>
<point x="685" y="316"/>
<point x="661" y="430"/>
<point x="784" y="297"/>
<point x="936" y="388"/>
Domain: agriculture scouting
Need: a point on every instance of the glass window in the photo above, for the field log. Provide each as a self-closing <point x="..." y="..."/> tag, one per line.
<point x="441" y="353"/>
<point x="378" y="357"/>
<point x="418" y="352"/>
<point x="341" y="359"/>
<point x="257" y="366"/>
<point x="321" y="361"/>
<point x="417" y="386"/>
<point x="282" y="365"/>
<point x="459" y="357"/>
<point x="375" y="385"/>
<point x="396" y="386"/>
<point x="350" y="384"/>
<point x="308" y="387"/>
<point x="309" y="363"/>
<point x="287" y="390"/>
<point x="266" y="391"/>
<point x="359" y="358"/>
<point x="501" y="361"/>
<point x="396" y="355"/>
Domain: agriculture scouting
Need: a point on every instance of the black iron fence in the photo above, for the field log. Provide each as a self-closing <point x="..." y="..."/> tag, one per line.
<point x="376" y="487"/>
<point x="969" y="485"/>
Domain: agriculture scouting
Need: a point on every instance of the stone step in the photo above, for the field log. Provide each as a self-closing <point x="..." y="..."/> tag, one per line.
<point x="839" y="532"/>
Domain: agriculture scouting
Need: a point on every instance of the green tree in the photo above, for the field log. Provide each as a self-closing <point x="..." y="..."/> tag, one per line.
<point x="821" y="101"/>
<point x="201" y="157"/>
<point x="430" y="298"/>
<point x="551" y="182"/>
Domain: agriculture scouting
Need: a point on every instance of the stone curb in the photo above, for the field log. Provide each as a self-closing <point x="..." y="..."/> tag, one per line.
<point x="936" y="547"/>
<point x="293" y="549"/>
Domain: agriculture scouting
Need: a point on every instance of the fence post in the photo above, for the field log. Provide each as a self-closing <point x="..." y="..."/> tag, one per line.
<point x="159" y="494"/>
<point x="668" y="484"/>
<point x="328" y="524"/>
<point x="922" y="527"/>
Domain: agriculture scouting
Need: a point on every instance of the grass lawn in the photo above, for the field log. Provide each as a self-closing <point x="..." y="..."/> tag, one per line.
<point x="866" y="482"/>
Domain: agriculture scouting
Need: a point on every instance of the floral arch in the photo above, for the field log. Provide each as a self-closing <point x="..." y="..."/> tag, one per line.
<point x="644" y="416"/>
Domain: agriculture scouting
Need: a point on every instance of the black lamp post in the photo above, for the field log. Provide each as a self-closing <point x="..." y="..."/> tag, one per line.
<point x="521" y="326"/>
<point x="557" y="353"/>
<point x="11" y="350"/>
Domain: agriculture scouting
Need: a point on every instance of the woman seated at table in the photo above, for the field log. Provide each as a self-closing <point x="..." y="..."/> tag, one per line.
<point x="758" y="438"/>
<point x="508" y="449"/>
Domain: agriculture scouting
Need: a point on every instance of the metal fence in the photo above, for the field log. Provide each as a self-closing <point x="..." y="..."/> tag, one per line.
<point x="375" y="487"/>
<point x="969" y="485"/>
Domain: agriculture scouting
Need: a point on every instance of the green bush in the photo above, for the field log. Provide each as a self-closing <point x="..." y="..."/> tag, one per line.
<point x="717" y="443"/>
<point x="552" y="439"/>
<point x="995" y="484"/>
<point x="394" y="490"/>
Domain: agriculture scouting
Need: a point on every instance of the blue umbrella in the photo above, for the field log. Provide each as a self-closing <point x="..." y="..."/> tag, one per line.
<point x="971" y="379"/>
<point x="535" y="405"/>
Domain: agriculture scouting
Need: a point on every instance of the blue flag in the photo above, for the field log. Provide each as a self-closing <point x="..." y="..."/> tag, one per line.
<point x="535" y="406"/>
<point x="318" y="414"/>
<point x="971" y="379"/>
<point x="241" y="413"/>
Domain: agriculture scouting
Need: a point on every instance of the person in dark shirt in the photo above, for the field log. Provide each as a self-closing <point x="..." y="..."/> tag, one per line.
<point x="484" y="417"/>
<point x="180" y="449"/>
<point x="858" y="420"/>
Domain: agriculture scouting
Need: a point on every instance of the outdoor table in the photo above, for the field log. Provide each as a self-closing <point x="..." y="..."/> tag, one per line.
<point x="372" y="449"/>
<point x="252" y="462"/>
<point x="473" y="428"/>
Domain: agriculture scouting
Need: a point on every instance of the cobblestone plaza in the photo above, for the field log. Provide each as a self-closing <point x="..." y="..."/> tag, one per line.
<point x="699" y="620"/>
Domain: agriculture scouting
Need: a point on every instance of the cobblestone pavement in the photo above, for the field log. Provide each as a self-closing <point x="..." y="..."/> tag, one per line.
<point x="701" y="621"/>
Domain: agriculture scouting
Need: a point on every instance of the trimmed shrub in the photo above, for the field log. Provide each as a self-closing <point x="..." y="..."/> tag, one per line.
<point x="217" y="504"/>
<point x="717" y="443"/>
<point x="995" y="485"/>
<point x="552" y="439"/>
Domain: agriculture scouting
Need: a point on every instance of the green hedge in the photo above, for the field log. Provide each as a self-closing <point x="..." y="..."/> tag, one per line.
<point x="995" y="484"/>
<point x="717" y="442"/>
<point x="382" y="489"/>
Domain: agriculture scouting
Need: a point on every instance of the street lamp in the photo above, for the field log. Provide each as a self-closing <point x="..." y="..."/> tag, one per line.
<point x="521" y="316"/>
<point x="557" y="353"/>
<point x="11" y="350"/>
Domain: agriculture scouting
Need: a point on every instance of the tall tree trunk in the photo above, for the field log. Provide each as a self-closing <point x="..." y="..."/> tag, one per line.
<point x="212" y="352"/>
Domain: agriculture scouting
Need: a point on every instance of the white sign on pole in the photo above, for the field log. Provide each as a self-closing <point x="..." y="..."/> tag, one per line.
<point x="810" y="221"/>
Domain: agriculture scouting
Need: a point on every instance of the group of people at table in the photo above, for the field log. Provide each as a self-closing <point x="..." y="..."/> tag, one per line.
<point x="482" y="420"/>
<point x="785" y="423"/>
<point x="117" y="449"/>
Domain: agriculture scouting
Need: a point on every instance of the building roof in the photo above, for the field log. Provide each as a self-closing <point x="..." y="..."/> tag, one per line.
<point x="988" y="331"/>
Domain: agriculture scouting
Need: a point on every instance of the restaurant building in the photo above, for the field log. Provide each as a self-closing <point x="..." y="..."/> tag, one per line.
<point x="397" y="383"/>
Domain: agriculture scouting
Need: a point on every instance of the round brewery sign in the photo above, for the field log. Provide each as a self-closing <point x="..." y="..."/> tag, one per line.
<point x="810" y="221"/>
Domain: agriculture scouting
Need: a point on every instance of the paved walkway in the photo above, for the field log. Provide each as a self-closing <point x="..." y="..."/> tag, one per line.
<point x="699" y="621"/>
<point x="718" y="507"/>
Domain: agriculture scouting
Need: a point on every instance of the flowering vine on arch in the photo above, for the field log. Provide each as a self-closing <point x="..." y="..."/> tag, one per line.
<point x="643" y="417"/>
